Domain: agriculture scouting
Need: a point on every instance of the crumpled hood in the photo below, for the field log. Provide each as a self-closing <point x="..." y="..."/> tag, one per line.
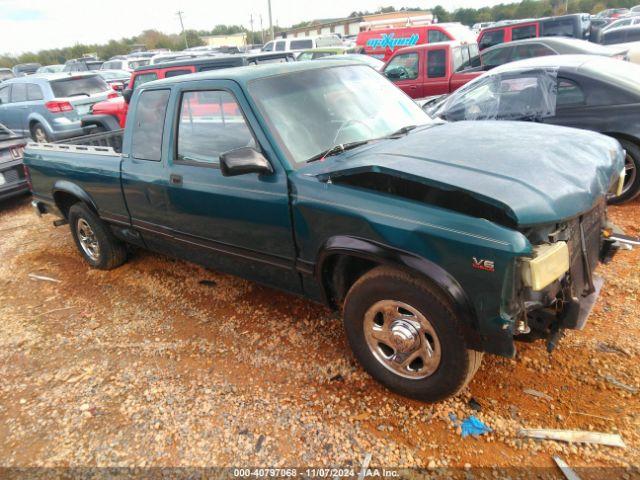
<point x="537" y="173"/>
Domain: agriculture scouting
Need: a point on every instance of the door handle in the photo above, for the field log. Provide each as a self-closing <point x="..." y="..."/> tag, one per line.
<point x="175" y="179"/>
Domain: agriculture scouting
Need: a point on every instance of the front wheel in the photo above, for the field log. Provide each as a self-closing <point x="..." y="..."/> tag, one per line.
<point x="631" y="186"/>
<point x="405" y="334"/>
<point x="94" y="240"/>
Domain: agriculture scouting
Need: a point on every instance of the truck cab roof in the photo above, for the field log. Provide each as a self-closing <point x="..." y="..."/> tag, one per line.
<point x="230" y="60"/>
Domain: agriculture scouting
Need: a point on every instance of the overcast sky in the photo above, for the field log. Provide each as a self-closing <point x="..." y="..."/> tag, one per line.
<point x="29" y="25"/>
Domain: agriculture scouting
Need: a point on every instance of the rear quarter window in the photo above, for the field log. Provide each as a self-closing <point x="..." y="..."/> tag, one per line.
<point x="148" y="127"/>
<point x="175" y="73"/>
<point x="300" y="44"/>
<point x="78" y="86"/>
<point x="491" y="38"/>
<point x="34" y="92"/>
<point x="4" y="93"/>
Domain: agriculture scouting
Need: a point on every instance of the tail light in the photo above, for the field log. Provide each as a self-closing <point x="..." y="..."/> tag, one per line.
<point x="57" y="107"/>
<point x="27" y="176"/>
<point x="112" y="95"/>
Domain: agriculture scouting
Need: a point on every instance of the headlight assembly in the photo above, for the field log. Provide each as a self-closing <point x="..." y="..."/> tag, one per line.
<point x="548" y="264"/>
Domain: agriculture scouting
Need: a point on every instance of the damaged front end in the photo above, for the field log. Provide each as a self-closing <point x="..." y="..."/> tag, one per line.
<point x="558" y="285"/>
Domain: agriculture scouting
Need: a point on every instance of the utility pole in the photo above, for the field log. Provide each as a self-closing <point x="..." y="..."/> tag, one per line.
<point x="179" y="13"/>
<point x="251" y="23"/>
<point x="261" y="29"/>
<point x="273" y="37"/>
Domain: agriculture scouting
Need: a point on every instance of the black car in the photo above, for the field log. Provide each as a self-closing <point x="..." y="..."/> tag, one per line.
<point x="12" y="179"/>
<point x="540" y="47"/>
<point x="582" y="91"/>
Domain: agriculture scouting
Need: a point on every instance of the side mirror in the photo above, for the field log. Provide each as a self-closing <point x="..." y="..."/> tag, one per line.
<point x="126" y="94"/>
<point x="393" y="74"/>
<point x="242" y="161"/>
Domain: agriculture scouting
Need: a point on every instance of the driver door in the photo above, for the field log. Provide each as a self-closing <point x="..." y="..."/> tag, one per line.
<point x="405" y="72"/>
<point x="239" y="224"/>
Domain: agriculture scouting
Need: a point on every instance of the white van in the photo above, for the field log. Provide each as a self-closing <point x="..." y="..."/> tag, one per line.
<point x="302" y="43"/>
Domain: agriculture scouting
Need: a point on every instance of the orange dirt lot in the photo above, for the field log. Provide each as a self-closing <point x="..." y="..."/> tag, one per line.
<point x="147" y="366"/>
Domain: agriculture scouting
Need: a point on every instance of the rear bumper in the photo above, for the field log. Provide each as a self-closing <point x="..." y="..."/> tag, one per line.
<point x="13" y="189"/>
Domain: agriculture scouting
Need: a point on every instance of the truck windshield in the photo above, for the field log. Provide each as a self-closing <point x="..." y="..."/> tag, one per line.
<point x="312" y="111"/>
<point x="78" y="86"/>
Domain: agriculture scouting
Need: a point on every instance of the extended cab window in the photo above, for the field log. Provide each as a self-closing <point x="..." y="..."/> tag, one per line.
<point x="520" y="33"/>
<point x="211" y="123"/>
<point x="403" y="67"/>
<point x="437" y="63"/>
<point x="144" y="78"/>
<point x="149" y="125"/>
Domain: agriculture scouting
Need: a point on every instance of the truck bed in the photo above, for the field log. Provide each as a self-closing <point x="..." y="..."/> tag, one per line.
<point x="111" y="139"/>
<point x="90" y="162"/>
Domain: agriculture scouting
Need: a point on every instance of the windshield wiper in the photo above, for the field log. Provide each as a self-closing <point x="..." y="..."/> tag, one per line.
<point x="401" y="131"/>
<point x="336" y="149"/>
<point x="341" y="147"/>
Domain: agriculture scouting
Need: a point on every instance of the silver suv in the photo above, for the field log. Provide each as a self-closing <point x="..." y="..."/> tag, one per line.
<point x="48" y="107"/>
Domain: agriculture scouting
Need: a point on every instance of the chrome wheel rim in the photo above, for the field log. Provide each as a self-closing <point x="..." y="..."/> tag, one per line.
<point x="41" y="137"/>
<point x="88" y="240"/>
<point x="630" y="173"/>
<point x="402" y="339"/>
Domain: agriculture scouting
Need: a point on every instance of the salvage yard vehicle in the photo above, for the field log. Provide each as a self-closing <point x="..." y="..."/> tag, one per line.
<point x="581" y="91"/>
<point x="575" y="25"/>
<point x="542" y="46"/>
<point x="49" y="106"/>
<point x="12" y="178"/>
<point x="433" y="69"/>
<point x="383" y="42"/>
<point x="439" y="241"/>
<point x="112" y="114"/>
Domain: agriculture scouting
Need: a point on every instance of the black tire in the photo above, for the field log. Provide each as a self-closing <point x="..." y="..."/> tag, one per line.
<point x="633" y="188"/>
<point x="39" y="133"/>
<point x="457" y="363"/>
<point x="111" y="252"/>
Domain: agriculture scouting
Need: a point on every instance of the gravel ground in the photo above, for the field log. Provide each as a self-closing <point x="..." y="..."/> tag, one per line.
<point x="164" y="363"/>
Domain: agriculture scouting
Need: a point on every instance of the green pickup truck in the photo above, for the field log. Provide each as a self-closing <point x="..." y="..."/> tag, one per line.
<point x="437" y="241"/>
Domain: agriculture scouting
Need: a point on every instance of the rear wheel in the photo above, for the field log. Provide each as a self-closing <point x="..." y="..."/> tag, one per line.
<point x="405" y="334"/>
<point x="631" y="186"/>
<point x="94" y="240"/>
<point x="39" y="134"/>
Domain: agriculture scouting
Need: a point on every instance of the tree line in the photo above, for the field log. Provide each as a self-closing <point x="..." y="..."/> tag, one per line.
<point x="151" y="39"/>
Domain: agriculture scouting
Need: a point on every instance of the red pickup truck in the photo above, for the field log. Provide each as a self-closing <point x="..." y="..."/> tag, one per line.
<point x="433" y="69"/>
<point x="112" y="114"/>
